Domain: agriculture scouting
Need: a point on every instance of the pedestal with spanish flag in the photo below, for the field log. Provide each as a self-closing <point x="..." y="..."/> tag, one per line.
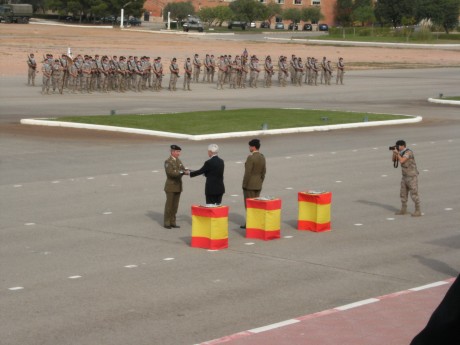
<point x="314" y="211"/>
<point x="263" y="218"/>
<point x="210" y="227"/>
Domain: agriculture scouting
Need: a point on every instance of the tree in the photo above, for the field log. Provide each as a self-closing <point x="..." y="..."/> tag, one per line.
<point x="248" y="10"/>
<point x="394" y="11"/>
<point x="343" y="10"/>
<point x="207" y="15"/>
<point x="442" y="12"/>
<point x="272" y="9"/>
<point x="293" y="14"/>
<point x="362" y="3"/>
<point x="363" y="15"/>
<point x="223" y="14"/>
<point x="178" y="10"/>
<point x="312" y="14"/>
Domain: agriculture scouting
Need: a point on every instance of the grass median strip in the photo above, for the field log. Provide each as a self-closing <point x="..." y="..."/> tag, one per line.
<point x="224" y="121"/>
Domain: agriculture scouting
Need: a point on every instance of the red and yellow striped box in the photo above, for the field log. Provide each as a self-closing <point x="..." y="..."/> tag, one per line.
<point x="263" y="218"/>
<point x="314" y="211"/>
<point x="210" y="227"/>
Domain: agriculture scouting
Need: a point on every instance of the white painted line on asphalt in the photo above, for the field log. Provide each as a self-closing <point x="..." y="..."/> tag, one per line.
<point x="289" y="188"/>
<point x="29" y="224"/>
<point x="448" y="209"/>
<point x="17" y="185"/>
<point x="338" y="181"/>
<point x="288" y="157"/>
<point x="130" y="266"/>
<point x="90" y="178"/>
<point x="311" y="155"/>
<point x="375" y="148"/>
<point x="154" y="171"/>
<point x="273" y="326"/>
<point x="288" y="236"/>
<point x="213" y="250"/>
<point x="357" y="304"/>
<point x="333" y="153"/>
<point x="168" y="259"/>
<point x="74" y="277"/>
<point x="358" y="224"/>
<point x="428" y="286"/>
<point x="384" y="175"/>
<point x="107" y="212"/>
<point x="124" y="174"/>
<point x="249" y="243"/>
<point x="425" y="170"/>
<point x="56" y="182"/>
<point x="355" y="150"/>
<point x="239" y="162"/>
<point x="390" y="219"/>
<point x="234" y="195"/>
<point x="16" y="288"/>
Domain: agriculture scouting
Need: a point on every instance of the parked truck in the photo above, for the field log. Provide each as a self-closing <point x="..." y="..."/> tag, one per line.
<point x="16" y="13"/>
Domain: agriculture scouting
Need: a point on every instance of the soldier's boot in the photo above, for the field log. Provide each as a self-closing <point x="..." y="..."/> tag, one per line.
<point x="417" y="212"/>
<point x="402" y="211"/>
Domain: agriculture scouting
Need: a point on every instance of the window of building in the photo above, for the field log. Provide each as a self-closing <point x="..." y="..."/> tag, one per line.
<point x="263" y="1"/>
<point x="281" y="2"/>
<point x="316" y="2"/>
<point x="297" y="2"/>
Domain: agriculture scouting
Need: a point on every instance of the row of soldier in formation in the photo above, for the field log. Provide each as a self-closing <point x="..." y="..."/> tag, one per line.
<point x="87" y="74"/>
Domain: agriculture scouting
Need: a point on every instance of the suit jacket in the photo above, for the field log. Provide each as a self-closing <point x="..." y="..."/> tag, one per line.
<point x="213" y="169"/>
<point x="254" y="171"/>
<point x="174" y="172"/>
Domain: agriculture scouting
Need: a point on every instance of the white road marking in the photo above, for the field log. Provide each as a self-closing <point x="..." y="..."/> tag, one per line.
<point x="74" y="277"/>
<point x="357" y="304"/>
<point x="55" y="182"/>
<point x="17" y="185"/>
<point x="154" y="171"/>
<point x="358" y="224"/>
<point x="168" y="259"/>
<point x="384" y="175"/>
<point x="428" y="286"/>
<point x="288" y="236"/>
<point x="234" y="195"/>
<point x="288" y="157"/>
<point x="29" y="224"/>
<point x="107" y="212"/>
<point x="338" y="181"/>
<point x="448" y="209"/>
<point x="249" y="243"/>
<point x="130" y="266"/>
<point x="16" y="288"/>
<point x="90" y="178"/>
<point x="289" y="188"/>
<point x="124" y="174"/>
<point x="273" y="326"/>
<point x="390" y="219"/>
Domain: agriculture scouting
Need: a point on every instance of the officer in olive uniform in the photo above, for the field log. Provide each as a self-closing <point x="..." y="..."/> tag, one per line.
<point x="254" y="172"/>
<point x="173" y="187"/>
<point x="409" y="181"/>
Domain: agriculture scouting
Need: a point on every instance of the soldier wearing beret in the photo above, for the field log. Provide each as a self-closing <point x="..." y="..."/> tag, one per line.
<point x="254" y="172"/>
<point x="173" y="187"/>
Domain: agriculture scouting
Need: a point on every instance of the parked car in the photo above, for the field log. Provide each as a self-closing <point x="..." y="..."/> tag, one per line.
<point x="134" y="22"/>
<point x="265" y="25"/>
<point x="279" y="26"/>
<point x="307" y="27"/>
<point x="237" y="24"/>
<point x="323" y="27"/>
<point x="293" y="26"/>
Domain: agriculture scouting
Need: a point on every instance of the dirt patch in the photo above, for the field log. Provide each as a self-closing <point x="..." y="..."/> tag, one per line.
<point x="17" y="41"/>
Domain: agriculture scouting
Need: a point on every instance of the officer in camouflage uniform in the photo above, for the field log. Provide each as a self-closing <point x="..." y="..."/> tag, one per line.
<point x="46" y="76"/>
<point x="173" y="187"/>
<point x="188" y="70"/>
<point x="57" y="76"/>
<point x="409" y="181"/>
<point x="174" y="69"/>
<point x="196" y="68"/>
<point x="340" y="71"/>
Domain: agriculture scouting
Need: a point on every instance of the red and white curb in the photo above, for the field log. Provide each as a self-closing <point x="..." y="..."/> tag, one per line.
<point x="323" y="313"/>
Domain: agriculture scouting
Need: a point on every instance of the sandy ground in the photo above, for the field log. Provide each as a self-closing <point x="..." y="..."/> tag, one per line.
<point x="17" y="41"/>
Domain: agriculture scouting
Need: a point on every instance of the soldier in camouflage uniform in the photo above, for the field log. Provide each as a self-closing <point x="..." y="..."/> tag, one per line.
<point x="57" y="76"/>
<point x="196" y="68"/>
<point x="268" y="72"/>
<point x="409" y="181"/>
<point x="32" y="64"/>
<point x="174" y="69"/>
<point x="46" y="73"/>
<point x="86" y="71"/>
<point x="188" y="70"/>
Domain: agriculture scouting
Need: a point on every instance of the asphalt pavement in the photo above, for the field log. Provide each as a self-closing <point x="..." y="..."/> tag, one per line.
<point x="85" y="259"/>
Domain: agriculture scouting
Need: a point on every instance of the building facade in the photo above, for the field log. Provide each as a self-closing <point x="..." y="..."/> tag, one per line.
<point x="155" y="7"/>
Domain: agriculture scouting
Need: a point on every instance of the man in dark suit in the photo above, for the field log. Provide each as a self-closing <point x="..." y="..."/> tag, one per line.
<point x="213" y="169"/>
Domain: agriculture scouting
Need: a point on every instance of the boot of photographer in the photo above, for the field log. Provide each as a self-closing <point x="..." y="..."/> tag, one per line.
<point x="409" y="181"/>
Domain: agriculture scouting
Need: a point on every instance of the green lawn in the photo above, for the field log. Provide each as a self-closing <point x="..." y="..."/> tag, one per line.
<point x="456" y="98"/>
<point x="223" y="121"/>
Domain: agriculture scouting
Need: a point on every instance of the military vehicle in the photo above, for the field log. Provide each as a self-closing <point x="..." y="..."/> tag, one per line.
<point x="192" y="23"/>
<point x="16" y="13"/>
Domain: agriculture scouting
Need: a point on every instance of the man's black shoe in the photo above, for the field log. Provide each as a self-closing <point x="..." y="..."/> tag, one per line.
<point x="175" y="226"/>
<point x="167" y="227"/>
<point x="243" y="227"/>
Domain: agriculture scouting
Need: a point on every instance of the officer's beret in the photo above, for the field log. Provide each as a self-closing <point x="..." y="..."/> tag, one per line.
<point x="175" y="147"/>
